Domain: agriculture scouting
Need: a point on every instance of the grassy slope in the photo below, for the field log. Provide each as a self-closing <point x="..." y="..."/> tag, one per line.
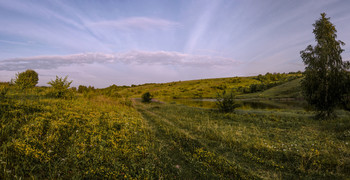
<point x="206" y="88"/>
<point x="290" y="89"/>
<point x="203" y="144"/>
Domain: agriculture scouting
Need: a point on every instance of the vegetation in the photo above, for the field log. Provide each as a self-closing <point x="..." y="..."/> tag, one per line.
<point x="290" y="89"/>
<point x="59" y="87"/>
<point x="101" y="133"/>
<point x="80" y="138"/>
<point x="196" y="143"/>
<point x="208" y="88"/>
<point x="60" y="132"/>
<point x="324" y="84"/>
<point x="226" y="102"/>
<point x="26" y="79"/>
<point x="146" y="97"/>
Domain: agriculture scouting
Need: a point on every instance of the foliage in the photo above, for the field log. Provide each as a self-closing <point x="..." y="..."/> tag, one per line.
<point x="346" y="97"/>
<point x="290" y="89"/>
<point x="146" y="97"/>
<point x="196" y="143"/>
<point x="59" y="87"/>
<point x="119" y="138"/>
<point x="3" y="90"/>
<point x="112" y="91"/>
<point x="325" y="72"/>
<point x="208" y="88"/>
<point x="84" y="89"/>
<point x="72" y="139"/>
<point x="226" y="102"/>
<point x="26" y="79"/>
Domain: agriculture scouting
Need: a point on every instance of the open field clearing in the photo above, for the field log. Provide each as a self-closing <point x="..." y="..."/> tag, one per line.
<point x="203" y="143"/>
<point x="79" y="138"/>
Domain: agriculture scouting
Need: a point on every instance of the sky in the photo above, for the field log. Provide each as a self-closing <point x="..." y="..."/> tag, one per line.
<point x="126" y="42"/>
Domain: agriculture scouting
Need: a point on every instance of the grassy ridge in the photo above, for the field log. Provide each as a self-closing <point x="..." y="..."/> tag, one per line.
<point x="208" y="88"/>
<point x="291" y="89"/>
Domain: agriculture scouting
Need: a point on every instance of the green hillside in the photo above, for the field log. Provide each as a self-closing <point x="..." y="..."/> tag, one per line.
<point x="289" y="89"/>
<point x="208" y="88"/>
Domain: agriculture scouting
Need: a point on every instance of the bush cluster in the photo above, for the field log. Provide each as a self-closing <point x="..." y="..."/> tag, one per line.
<point x="226" y="102"/>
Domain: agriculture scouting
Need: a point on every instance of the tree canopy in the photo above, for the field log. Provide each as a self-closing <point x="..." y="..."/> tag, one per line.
<point x="27" y="79"/>
<point x="325" y="73"/>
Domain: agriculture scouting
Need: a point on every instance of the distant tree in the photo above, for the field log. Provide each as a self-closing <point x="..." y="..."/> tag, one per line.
<point x="60" y="87"/>
<point x="26" y="79"/>
<point x="325" y="72"/>
<point x="82" y="89"/>
<point x="146" y="97"/>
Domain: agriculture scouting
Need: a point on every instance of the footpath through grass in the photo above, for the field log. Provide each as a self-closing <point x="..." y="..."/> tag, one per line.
<point x="97" y="137"/>
<point x="195" y="143"/>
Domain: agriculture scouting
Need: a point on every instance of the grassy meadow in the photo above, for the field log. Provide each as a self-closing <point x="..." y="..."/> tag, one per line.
<point x="110" y="134"/>
<point x="208" y="88"/>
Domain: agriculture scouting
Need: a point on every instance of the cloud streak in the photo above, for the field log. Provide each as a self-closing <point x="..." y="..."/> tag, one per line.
<point x="132" y="57"/>
<point x="137" y="23"/>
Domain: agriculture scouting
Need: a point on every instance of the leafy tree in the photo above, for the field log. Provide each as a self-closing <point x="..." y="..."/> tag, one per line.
<point x="27" y="79"/>
<point x="325" y="72"/>
<point x="146" y="97"/>
<point x="59" y="87"/>
<point x="82" y="89"/>
<point x="226" y="102"/>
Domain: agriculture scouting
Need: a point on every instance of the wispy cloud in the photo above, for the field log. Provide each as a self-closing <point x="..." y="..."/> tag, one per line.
<point x="201" y="26"/>
<point x="131" y="57"/>
<point x="138" y="23"/>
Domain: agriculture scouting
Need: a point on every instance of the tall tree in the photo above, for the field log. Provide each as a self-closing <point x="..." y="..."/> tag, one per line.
<point x="325" y="71"/>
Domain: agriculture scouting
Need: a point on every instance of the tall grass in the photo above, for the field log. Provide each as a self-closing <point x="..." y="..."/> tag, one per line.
<point x="254" y="144"/>
<point x="44" y="138"/>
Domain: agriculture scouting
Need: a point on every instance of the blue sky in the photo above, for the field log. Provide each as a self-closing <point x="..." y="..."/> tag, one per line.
<point x="126" y="42"/>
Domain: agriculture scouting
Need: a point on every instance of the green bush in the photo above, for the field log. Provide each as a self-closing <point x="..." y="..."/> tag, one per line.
<point x="226" y="102"/>
<point x="26" y="79"/>
<point x="146" y="97"/>
<point x="59" y="88"/>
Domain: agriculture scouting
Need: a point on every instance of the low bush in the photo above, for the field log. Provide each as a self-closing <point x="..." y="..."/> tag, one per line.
<point x="146" y="97"/>
<point x="226" y="102"/>
<point x="59" y="88"/>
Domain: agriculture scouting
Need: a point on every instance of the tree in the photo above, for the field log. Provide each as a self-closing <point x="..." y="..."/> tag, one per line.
<point x="226" y="102"/>
<point x="59" y="87"/>
<point x="325" y="72"/>
<point x="146" y="97"/>
<point x="27" y="79"/>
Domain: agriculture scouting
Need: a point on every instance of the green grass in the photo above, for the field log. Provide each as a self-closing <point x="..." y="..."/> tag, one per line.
<point x="92" y="136"/>
<point x="249" y="144"/>
<point x="45" y="138"/>
<point x="290" y="89"/>
<point x="206" y="88"/>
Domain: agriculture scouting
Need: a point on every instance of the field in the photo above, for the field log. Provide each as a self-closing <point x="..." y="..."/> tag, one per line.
<point x="107" y="133"/>
<point x="205" y="144"/>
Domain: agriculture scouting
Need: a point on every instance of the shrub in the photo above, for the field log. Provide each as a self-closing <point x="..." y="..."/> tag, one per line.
<point x="3" y="91"/>
<point x="146" y="97"/>
<point x="26" y="79"/>
<point x="226" y="102"/>
<point x="60" y="87"/>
